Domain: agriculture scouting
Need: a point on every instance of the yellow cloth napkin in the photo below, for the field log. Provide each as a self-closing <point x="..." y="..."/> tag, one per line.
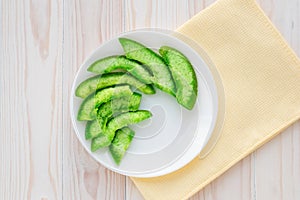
<point x="261" y="78"/>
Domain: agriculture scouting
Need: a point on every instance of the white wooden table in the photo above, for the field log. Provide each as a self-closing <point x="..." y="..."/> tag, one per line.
<point x="42" y="46"/>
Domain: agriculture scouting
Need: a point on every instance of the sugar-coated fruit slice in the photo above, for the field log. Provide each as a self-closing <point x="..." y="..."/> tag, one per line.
<point x="116" y="123"/>
<point x="92" y="84"/>
<point x="117" y="106"/>
<point x="121" y="143"/>
<point x="89" y="106"/>
<point x="162" y="76"/>
<point x="92" y="129"/>
<point x="111" y="63"/>
<point x="107" y="110"/>
<point x="184" y="76"/>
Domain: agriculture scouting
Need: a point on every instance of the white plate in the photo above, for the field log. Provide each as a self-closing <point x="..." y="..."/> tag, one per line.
<point x="174" y="135"/>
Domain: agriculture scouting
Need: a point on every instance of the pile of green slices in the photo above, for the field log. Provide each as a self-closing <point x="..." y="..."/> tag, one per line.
<point x="112" y="98"/>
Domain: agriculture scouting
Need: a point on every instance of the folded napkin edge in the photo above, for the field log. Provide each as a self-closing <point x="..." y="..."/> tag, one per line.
<point x="255" y="147"/>
<point x="266" y="20"/>
<point x="269" y="24"/>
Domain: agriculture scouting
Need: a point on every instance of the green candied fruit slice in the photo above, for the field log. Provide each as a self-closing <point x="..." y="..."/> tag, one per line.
<point x="92" y="129"/>
<point x="111" y="63"/>
<point x="116" y="123"/>
<point x="184" y="76"/>
<point x="98" y="142"/>
<point x="107" y="110"/>
<point x="89" y="106"/>
<point x="121" y="143"/>
<point x="117" y="106"/>
<point x="162" y="76"/>
<point x="107" y="80"/>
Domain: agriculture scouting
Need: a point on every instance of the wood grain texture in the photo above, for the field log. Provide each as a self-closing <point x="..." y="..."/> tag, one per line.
<point x="31" y="97"/>
<point x="86" y="26"/>
<point x="43" y="44"/>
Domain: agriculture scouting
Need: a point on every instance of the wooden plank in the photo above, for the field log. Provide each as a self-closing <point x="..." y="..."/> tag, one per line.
<point x="30" y="125"/>
<point x="132" y="192"/>
<point x="155" y="14"/>
<point x="286" y="17"/>
<point x="277" y="163"/>
<point x="235" y="184"/>
<point x="277" y="167"/>
<point x="86" y="25"/>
